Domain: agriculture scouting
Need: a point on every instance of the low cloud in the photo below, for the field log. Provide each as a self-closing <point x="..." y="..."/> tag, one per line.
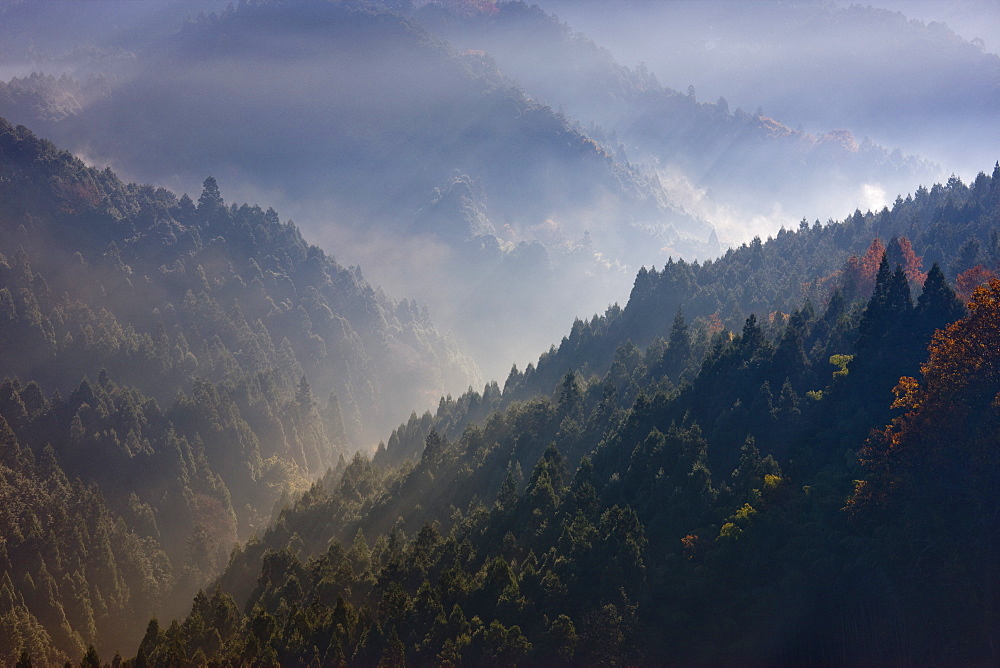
<point x="873" y="197"/>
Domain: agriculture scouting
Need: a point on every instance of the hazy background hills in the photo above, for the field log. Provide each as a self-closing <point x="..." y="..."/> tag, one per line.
<point x="488" y="160"/>
<point x="424" y="164"/>
<point x="747" y="172"/>
<point x="921" y="75"/>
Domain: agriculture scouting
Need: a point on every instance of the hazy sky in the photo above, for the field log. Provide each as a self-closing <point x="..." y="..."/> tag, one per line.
<point x="788" y="59"/>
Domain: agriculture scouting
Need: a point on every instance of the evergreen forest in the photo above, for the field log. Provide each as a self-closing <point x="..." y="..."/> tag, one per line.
<point x="221" y="445"/>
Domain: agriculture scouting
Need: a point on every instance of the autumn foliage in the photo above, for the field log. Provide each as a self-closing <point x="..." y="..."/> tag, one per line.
<point x="859" y="273"/>
<point x="970" y="279"/>
<point x="900" y="251"/>
<point x="950" y="418"/>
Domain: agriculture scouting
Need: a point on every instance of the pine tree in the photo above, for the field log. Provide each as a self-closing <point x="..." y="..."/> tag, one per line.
<point x="90" y="659"/>
<point x="211" y="199"/>
<point x="937" y="305"/>
<point x="678" y="353"/>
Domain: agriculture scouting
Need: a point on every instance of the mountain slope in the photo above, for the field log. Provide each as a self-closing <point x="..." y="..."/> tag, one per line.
<point x="117" y="299"/>
<point x="693" y="522"/>
<point x="160" y="265"/>
<point x="385" y="142"/>
<point x="745" y="172"/>
<point x="894" y="75"/>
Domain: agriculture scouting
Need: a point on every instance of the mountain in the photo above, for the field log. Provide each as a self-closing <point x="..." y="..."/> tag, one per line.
<point x="894" y="72"/>
<point x="163" y="361"/>
<point x="746" y="172"/>
<point x="780" y="453"/>
<point x="383" y="140"/>
<point x="713" y="501"/>
<point x="534" y="170"/>
<point x="155" y="262"/>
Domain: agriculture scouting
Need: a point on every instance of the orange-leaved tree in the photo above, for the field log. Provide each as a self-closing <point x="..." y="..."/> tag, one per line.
<point x="947" y="441"/>
<point x="970" y="279"/>
<point x="900" y="251"/>
<point x="931" y="494"/>
<point x="859" y="272"/>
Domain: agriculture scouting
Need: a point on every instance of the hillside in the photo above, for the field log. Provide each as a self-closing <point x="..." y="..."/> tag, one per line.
<point x="687" y="505"/>
<point x="384" y="141"/>
<point x="900" y="73"/>
<point x="222" y="443"/>
<point x="952" y="224"/>
<point x="745" y="172"/>
<point x="172" y="369"/>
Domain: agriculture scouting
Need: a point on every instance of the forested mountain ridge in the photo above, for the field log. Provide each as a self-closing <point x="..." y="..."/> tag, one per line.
<point x="160" y="358"/>
<point x="716" y="162"/>
<point x="695" y="503"/>
<point x="784" y="455"/>
<point x="382" y="139"/>
<point x="194" y="273"/>
<point x="825" y="65"/>
<point x="953" y="224"/>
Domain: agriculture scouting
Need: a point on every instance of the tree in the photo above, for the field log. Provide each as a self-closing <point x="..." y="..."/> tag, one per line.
<point x="570" y="396"/>
<point x="790" y="356"/>
<point x="583" y="494"/>
<point x="968" y="256"/>
<point x="507" y="498"/>
<point x="211" y="199"/>
<point x="937" y="299"/>
<point x="90" y="658"/>
<point x="937" y="468"/>
<point x="860" y="274"/>
<point x="678" y="353"/>
<point x="898" y="298"/>
<point x="937" y="305"/>
<point x="749" y="475"/>
<point x="878" y="314"/>
<point x="961" y="380"/>
<point x="970" y="279"/>
<point x="560" y="641"/>
<point x="434" y="447"/>
<point x="752" y="340"/>
<point x="304" y="397"/>
<point x="899" y="252"/>
<point x="151" y="639"/>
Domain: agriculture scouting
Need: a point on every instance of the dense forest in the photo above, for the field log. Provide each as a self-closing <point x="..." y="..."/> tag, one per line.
<point x="784" y="492"/>
<point x="173" y="368"/>
<point x="221" y="445"/>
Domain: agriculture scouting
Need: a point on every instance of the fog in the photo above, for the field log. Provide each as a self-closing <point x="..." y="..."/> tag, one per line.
<point x="893" y="71"/>
<point x="499" y="168"/>
<point x="745" y="172"/>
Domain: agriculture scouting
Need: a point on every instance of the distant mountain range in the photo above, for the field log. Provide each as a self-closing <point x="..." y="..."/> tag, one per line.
<point x="394" y="146"/>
